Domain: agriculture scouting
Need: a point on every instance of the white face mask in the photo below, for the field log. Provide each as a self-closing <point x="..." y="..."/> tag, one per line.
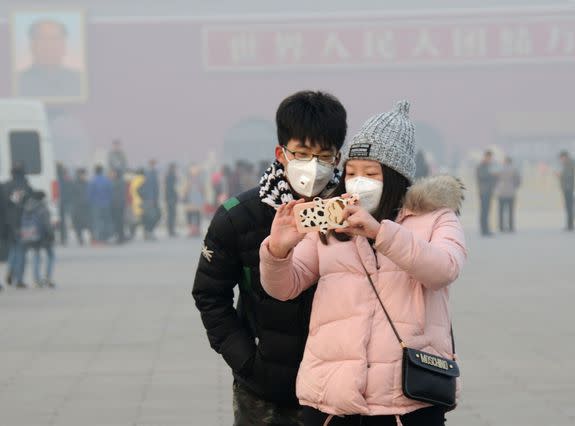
<point x="308" y="178"/>
<point x="369" y="191"/>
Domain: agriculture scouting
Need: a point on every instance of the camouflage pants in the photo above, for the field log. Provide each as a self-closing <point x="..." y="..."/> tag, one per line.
<point x="249" y="410"/>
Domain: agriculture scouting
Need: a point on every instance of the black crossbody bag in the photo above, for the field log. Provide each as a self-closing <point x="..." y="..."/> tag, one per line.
<point x="425" y="377"/>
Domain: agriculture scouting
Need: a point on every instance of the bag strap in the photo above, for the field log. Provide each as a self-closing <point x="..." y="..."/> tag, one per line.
<point x="383" y="307"/>
<point x="403" y="345"/>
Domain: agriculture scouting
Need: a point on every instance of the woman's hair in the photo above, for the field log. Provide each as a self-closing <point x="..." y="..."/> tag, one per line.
<point x="395" y="186"/>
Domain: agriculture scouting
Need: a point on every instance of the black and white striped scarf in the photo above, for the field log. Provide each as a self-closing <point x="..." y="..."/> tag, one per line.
<point x="275" y="189"/>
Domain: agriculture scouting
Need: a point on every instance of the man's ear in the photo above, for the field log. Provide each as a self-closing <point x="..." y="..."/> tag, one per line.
<point x="280" y="155"/>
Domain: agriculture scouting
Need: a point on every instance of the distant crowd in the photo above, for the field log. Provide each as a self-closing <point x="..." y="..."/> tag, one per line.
<point x="113" y="203"/>
<point x="110" y="205"/>
<point x="502" y="182"/>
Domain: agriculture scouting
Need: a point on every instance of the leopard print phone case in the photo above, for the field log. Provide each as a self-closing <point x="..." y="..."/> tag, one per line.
<point x="322" y="215"/>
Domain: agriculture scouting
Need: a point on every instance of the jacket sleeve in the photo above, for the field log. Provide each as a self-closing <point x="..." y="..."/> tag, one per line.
<point x="286" y="279"/>
<point x="218" y="272"/>
<point x="435" y="263"/>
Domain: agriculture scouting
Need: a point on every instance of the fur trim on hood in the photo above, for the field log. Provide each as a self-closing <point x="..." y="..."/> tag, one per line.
<point x="435" y="193"/>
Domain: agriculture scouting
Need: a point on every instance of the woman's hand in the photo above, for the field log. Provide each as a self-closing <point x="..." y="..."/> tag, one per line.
<point x="284" y="234"/>
<point x="360" y="222"/>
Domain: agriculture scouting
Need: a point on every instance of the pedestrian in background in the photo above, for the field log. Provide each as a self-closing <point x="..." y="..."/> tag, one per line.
<point x="3" y="226"/>
<point x="136" y="203"/>
<point x="100" y="194"/>
<point x="118" y="207"/>
<point x="64" y="187"/>
<point x="486" y="181"/>
<point x="17" y="191"/>
<point x="117" y="158"/>
<point x="220" y="186"/>
<point x="79" y="205"/>
<point x="194" y="199"/>
<point x="150" y="193"/>
<point x="171" y="197"/>
<point x="508" y="182"/>
<point x="567" y="182"/>
<point x="37" y="234"/>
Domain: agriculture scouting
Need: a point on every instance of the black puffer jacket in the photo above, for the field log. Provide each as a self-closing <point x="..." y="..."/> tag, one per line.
<point x="262" y="340"/>
<point x="16" y="193"/>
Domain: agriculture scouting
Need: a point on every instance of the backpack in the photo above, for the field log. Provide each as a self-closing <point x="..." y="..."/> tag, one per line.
<point x="31" y="230"/>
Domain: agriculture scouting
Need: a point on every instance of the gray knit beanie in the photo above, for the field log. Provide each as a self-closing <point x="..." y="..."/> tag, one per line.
<point x="387" y="138"/>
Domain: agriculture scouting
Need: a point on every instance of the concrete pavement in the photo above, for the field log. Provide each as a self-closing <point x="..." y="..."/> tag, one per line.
<point x="120" y="343"/>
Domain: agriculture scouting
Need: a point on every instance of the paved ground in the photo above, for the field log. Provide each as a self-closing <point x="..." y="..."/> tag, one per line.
<point x="120" y="343"/>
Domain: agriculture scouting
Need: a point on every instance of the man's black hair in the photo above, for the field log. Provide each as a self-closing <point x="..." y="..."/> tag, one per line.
<point x="563" y="154"/>
<point x="99" y="169"/>
<point x="32" y="31"/>
<point x="315" y="116"/>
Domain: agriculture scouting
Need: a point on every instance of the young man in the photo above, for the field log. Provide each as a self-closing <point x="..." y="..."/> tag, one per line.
<point x="263" y="339"/>
<point x="486" y="181"/>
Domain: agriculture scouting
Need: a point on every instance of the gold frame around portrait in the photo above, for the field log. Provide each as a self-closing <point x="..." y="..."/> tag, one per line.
<point x="14" y="73"/>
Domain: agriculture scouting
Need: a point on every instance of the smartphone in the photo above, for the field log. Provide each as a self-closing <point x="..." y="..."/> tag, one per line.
<point x="322" y="215"/>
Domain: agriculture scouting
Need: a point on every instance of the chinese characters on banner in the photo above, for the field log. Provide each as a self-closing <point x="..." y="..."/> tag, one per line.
<point x="393" y="42"/>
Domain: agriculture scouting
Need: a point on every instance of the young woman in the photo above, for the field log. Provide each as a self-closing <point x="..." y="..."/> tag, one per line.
<point x="411" y="243"/>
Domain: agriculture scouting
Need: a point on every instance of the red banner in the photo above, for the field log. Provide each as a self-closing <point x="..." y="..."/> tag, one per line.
<point x="391" y="42"/>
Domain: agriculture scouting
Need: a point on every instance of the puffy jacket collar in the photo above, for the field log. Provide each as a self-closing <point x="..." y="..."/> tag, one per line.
<point x="431" y="194"/>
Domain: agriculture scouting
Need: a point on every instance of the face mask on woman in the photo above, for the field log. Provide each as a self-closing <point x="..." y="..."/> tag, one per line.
<point x="369" y="191"/>
<point x="308" y="178"/>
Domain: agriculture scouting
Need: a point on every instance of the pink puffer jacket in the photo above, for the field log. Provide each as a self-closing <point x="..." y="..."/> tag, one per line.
<point x="352" y="360"/>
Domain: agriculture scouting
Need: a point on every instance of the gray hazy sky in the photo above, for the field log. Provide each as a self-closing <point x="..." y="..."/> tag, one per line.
<point x="220" y="7"/>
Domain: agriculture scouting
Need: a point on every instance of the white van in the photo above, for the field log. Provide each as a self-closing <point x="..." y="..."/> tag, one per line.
<point x="25" y="137"/>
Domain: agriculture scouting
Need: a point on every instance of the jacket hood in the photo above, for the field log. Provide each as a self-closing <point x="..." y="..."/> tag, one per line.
<point x="435" y="193"/>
